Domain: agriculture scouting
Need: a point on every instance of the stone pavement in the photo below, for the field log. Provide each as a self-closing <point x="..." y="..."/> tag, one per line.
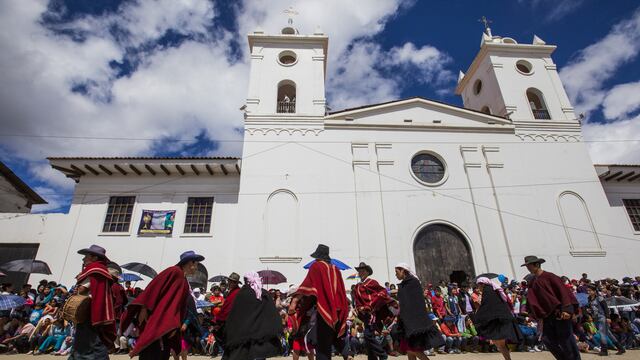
<point x="632" y="354"/>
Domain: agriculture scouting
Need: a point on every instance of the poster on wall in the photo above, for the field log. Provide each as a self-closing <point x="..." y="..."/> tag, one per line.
<point x="158" y="222"/>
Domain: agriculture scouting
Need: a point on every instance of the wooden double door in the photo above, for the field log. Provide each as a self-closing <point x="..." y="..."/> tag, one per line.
<point x="442" y="253"/>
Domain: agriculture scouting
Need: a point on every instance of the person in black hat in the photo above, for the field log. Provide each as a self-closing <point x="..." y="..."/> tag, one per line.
<point x="161" y="309"/>
<point x="372" y="303"/>
<point x="549" y="301"/>
<point x="95" y="339"/>
<point x="233" y="281"/>
<point x="323" y="286"/>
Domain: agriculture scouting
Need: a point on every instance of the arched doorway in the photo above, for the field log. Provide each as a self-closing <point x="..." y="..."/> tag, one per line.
<point x="440" y="253"/>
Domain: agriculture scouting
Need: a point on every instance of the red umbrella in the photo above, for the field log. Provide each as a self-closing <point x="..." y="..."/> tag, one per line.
<point x="272" y="277"/>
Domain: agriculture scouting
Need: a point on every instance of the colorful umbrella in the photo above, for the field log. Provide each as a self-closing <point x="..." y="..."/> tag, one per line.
<point x="8" y="302"/>
<point x="272" y="277"/>
<point x="28" y="266"/>
<point x="338" y="263"/>
<point x="130" y="277"/>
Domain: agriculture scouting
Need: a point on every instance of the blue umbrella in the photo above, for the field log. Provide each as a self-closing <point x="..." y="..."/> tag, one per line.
<point x="203" y="304"/>
<point x="583" y="299"/>
<point x="338" y="263"/>
<point x="8" y="302"/>
<point x="130" y="277"/>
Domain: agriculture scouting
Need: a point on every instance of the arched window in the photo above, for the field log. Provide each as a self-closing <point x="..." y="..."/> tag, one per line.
<point x="286" y="97"/>
<point x="536" y="102"/>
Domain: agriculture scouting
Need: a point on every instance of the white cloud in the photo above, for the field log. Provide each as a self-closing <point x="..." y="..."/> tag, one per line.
<point x="614" y="152"/>
<point x="367" y="74"/>
<point x="621" y="100"/>
<point x="54" y="201"/>
<point x="585" y="75"/>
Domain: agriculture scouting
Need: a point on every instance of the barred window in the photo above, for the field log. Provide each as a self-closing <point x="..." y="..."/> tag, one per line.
<point x="119" y="213"/>
<point x="633" y="209"/>
<point x="198" y="218"/>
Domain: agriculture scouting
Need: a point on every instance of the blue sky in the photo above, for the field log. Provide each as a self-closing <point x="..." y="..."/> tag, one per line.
<point x="145" y="74"/>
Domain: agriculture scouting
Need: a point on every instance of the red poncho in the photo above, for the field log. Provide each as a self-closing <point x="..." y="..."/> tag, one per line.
<point x="102" y="313"/>
<point x="227" y="306"/>
<point x="165" y="300"/>
<point x="119" y="298"/>
<point x="370" y="296"/>
<point x="324" y="283"/>
<point x="547" y="296"/>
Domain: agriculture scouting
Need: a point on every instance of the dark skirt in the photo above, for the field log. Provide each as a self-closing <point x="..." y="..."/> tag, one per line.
<point x="422" y="342"/>
<point x="87" y="344"/>
<point x="254" y="350"/>
<point x="500" y="329"/>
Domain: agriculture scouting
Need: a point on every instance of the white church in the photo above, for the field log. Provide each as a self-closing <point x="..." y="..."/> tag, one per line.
<point x="454" y="191"/>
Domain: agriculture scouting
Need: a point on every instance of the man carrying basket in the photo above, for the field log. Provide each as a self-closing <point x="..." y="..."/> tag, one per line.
<point x="96" y="329"/>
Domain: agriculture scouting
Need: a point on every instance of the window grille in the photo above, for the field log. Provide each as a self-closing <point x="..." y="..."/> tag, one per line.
<point x="633" y="209"/>
<point x="119" y="213"/>
<point x="198" y="218"/>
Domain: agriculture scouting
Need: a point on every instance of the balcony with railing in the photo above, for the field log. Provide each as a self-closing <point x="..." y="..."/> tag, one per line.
<point x="286" y="107"/>
<point x="541" y="114"/>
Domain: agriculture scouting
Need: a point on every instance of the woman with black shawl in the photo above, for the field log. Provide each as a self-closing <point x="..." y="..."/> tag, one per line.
<point x="253" y="327"/>
<point x="416" y="328"/>
<point x="494" y="319"/>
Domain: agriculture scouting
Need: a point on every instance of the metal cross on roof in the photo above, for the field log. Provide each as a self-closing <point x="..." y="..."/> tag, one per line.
<point x="291" y="13"/>
<point x="486" y="23"/>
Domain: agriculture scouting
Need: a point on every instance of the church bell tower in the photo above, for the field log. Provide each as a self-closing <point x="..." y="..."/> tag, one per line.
<point x="287" y="74"/>
<point x="517" y="81"/>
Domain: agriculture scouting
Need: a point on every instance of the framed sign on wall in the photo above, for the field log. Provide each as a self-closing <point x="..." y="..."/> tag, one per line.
<point x="157" y="222"/>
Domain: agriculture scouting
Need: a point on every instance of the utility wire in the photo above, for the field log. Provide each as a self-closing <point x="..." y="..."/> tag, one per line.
<point x="113" y="138"/>
<point x="369" y="191"/>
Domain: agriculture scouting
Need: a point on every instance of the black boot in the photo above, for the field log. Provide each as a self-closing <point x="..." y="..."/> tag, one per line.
<point x="603" y="351"/>
<point x="621" y="351"/>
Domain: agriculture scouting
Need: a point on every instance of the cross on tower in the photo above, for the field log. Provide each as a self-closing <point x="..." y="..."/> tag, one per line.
<point x="486" y="23"/>
<point x="291" y="13"/>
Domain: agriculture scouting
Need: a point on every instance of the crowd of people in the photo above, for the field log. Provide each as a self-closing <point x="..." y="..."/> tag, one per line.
<point x="238" y="319"/>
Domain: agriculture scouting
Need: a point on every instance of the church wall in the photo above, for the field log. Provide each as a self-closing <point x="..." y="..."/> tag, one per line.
<point x="557" y="169"/>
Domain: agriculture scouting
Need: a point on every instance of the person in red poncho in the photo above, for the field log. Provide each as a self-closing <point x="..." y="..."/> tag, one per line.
<point x="372" y="306"/>
<point x="95" y="339"/>
<point x="324" y="287"/>
<point x="549" y="301"/>
<point x="160" y="310"/>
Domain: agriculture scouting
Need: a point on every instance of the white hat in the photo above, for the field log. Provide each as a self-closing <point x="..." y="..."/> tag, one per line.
<point x="405" y="266"/>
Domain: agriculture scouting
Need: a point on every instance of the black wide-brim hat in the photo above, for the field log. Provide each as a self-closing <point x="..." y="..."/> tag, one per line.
<point x="321" y="253"/>
<point x="96" y="250"/>
<point x="365" y="267"/>
<point x="532" y="259"/>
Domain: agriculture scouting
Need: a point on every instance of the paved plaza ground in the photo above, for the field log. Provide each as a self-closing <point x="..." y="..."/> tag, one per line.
<point x="632" y="354"/>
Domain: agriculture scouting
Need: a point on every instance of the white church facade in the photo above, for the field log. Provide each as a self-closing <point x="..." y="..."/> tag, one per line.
<point x="454" y="191"/>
